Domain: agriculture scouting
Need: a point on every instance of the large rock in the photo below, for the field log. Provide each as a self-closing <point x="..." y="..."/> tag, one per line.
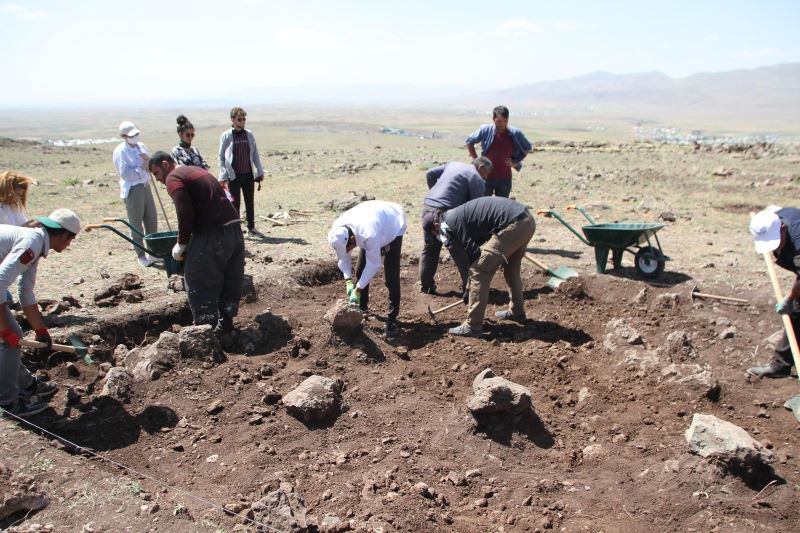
<point x="199" y="342"/>
<point x="709" y="436"/>
<point x="621" y="329"/>
<point x="19" y="492"/>
<point x="152" y="361"/>
<point x="343" y="316"/>
<point x="317" y="399"/>
<point x="492" y="394"/>
<point x="281" y="512"/>
<point x="118" y="384"/>
<point x="698" y="380"/>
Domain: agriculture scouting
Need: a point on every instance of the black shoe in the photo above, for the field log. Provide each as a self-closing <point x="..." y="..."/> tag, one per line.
<point x="41" y="388"/>
<point x="390" y="329"/>
<point x="428" y="290"/>
<point x="775" y="369"/>
<point x="22" y="408"/>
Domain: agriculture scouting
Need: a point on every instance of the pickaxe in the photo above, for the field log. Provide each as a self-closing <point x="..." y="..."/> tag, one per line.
<point x="697" y="294"/>
<point x="433" y="313"/>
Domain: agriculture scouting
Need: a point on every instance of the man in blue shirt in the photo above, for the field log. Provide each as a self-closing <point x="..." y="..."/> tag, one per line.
<point x="505" y="146"/>
<point x="451" y="185"/>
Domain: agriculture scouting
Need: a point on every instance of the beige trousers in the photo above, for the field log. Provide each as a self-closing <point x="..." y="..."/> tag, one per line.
<point x="506" y="249"/>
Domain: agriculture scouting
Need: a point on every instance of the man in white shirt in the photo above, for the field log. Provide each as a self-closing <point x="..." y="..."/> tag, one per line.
<point x="377" y="227"/>
<point x="131" y="160"/>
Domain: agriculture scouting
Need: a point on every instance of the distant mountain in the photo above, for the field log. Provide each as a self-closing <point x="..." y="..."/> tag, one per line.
<point x="765" y="94"/>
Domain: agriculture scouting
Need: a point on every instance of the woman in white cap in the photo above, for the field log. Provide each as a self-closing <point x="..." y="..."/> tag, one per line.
<point x="20" y="250"/>
<point x="777" y="231"/>
<point x="131" y="160"/>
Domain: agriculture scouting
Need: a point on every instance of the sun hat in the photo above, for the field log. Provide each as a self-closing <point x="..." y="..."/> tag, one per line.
<point x="62" y="219"/>
<point x="765" y="227"/>
<point x="128" y="129"/>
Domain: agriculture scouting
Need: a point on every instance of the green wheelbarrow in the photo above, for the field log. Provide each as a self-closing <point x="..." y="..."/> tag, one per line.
<point x="158" y="244"/>
<point x="639" y="239"/>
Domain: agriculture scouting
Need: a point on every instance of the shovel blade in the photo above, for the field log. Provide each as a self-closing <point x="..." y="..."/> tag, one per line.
<point x="563" y="273"/>
<point x="553" y="283"/>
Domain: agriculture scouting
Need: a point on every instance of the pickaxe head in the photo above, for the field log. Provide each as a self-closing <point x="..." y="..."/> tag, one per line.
<point x="430" y="312"/>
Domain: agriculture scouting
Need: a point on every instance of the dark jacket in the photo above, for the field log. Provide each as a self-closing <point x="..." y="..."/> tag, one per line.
<point x="789" y="256"/>
<point x="471" y="224"/>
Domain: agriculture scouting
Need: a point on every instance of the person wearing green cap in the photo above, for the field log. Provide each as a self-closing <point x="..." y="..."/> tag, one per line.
<point x="20" y="250"/>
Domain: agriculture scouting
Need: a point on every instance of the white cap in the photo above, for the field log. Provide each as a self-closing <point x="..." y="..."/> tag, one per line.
<point x="765" y="227"/>
<point x="62" y="219"/>
<point x="337" y="238"/>
<point x="128" y="129"/>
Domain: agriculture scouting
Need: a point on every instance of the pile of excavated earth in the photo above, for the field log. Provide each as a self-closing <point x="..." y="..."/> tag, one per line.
<point x="616" y="406"/>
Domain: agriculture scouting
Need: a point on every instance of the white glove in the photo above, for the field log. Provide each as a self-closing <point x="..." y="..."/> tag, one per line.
<point x="178" y="251"/>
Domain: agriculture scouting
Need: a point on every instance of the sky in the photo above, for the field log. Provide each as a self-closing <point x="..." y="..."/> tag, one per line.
<point x="64" y="52"/>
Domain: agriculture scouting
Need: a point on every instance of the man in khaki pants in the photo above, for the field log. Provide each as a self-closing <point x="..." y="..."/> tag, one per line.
<point x="493" y="232"/>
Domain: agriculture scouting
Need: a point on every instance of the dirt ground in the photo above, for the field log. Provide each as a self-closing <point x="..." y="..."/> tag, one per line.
<point x="605" y="449"/>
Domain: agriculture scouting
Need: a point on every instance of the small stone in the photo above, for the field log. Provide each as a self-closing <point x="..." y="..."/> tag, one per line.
<point x="480" y="502"/>
<point x="728" y="333"/>
<point x="212" y="458"/>
<point x="73" y="370"/>
<point x="475" y="472"/>
<point x="214" y="407"/>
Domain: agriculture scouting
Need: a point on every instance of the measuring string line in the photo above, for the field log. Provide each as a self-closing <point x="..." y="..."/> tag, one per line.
<point x="146" y="476"/>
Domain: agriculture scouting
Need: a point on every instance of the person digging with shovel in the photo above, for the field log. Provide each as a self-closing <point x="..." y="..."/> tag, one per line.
<point x="777" y="230"/>
<point x="377" y="228"/>
<point x="210" y="241"/>
<point x="21" y="393"/>
<point x="493" y="231"/>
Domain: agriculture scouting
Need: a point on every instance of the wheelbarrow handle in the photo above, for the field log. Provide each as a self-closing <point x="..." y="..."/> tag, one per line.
<point x="572" y="207"/>
<point x="544" y="213"/>
<point x="123" y="221"/>
<point x="90" y="227"/>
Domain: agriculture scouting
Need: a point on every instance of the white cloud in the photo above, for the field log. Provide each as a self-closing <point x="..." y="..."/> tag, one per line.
<point x="22" y="12"/>
<point x="295" y="34"/>
<point x="567" y="25"/>
<point x="516" y="28"/>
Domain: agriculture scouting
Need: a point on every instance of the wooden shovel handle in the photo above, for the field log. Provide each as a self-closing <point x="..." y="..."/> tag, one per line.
<point x="536" y="262"/>
<point x="787" y="322"/>
<point x="446" y="307"/>
<point x="56" y="347"/>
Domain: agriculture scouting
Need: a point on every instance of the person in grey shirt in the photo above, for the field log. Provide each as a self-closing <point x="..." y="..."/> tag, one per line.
<point x="451" y="185"/>
<point x="20" y="251"/>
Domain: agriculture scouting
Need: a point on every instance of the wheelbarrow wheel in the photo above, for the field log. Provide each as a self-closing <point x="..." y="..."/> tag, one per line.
<point x="645" y="263"/>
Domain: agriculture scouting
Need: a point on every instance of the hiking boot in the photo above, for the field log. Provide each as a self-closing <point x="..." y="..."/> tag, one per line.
<point x="40" y="388"/>
<point x="465" y="331"/>
<point x="22" y="408"/>
<point x="774" y="369"/>
<point x="506" y="314"/>
<point x="254" y="232"/>
<point x="390" y="329"/>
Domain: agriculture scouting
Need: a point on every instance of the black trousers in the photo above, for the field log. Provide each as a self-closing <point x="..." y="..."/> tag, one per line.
<point x="243" y="185"/>
<point x="783" y="351"/>
<point x="498" y="188"/>
<point x="391" y="275"/>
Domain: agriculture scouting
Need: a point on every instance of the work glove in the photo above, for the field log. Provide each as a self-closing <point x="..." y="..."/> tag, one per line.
<point x="349" y="286"/>
<point x="179" y="251"/>
<point x="42" y="335"/>
<point x="10" y="337"/>
<point x="355" y="297"/>
<point x="785" y="306"/>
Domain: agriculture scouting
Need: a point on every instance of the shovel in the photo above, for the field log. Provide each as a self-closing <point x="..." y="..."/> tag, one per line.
<point x="559" y="275"/>
<point x="76" y="346"/>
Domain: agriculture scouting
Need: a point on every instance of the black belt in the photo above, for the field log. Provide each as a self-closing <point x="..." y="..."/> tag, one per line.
<point x="520" y="217"/>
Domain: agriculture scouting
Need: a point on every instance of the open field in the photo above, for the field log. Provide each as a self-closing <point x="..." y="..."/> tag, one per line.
<point x="604" y="449"/>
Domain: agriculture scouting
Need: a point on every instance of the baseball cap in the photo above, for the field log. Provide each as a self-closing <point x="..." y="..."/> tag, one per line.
<point x="337" y="238"/>
<point x="62" y="219"/>
<point x="128" y="129"/>
<point x="765" y="227"/>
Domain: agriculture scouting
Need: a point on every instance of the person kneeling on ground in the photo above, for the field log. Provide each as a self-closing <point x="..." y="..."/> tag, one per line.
<point x="493" y="232"/>
<point x="778" y="231"/>
<point x="21" y="393"/>
<point x="376" y="227"/>
<point x="210" y="240"/>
